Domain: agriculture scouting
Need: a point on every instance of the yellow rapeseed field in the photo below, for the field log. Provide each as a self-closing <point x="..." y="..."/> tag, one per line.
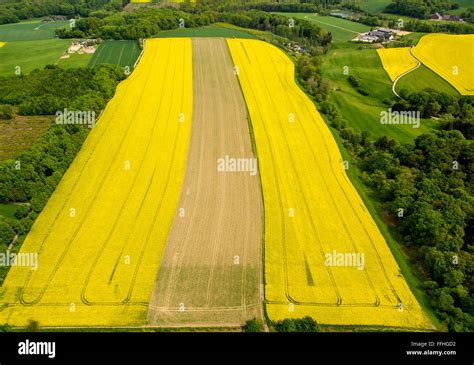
<point x="396" y="61"/>
<point x="324" y="254"/>
<point x="451" y="57"/>
<point x="2" y="44"/>
<point x="101" y="235"/>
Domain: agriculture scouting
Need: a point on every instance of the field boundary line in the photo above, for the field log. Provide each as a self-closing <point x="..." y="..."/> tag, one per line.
<point x="406" y="72"/>
<point x="262" y="196"/>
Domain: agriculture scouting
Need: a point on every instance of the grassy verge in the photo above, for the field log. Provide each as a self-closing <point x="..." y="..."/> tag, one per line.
<point x="133" y="329"/>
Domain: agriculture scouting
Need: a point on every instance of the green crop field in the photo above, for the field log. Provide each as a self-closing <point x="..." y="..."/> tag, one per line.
<point x="121" y="53"/>
<point x="30" y="45"/>
<point x="342" y="30"/>
<point x="415" y="37"/>
<point x="8" y="210"/>
<point x="363" y="112"/>
<point x="423" y="78"/>
<point x="207" y="31"/>
<point x="372" y="6"/>
<point x="29" y="55"/>
<point x="463" y="5"/>
<point x="30" y="31"/>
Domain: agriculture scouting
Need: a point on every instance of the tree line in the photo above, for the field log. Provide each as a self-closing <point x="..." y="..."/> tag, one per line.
<point x="421" y="9"/>
<point x="44" y="92"/>
<point x="415" y="25"/>
<point x="147" y="22"/>
<point x="32" y="176"/>
<point x="13" y="11"/>
<point x="426" y="188"/>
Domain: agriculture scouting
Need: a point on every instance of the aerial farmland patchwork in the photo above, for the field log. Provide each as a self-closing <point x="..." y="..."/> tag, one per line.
<point x="280" y="167"/>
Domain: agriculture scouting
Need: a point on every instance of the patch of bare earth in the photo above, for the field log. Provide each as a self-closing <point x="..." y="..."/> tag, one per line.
<point x="21" y="132"/>
<point x="211" y="272"/>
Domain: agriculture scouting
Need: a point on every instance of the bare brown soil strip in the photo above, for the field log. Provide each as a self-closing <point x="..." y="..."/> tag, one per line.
<point x="211" y="267"/>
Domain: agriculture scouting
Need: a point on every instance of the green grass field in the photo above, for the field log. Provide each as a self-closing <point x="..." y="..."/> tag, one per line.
<point x="75" y="60"/>
<point x="213" y="30"/>
<point x="423" y="78"/>
<point x="363" y="112"/>
<point x="8" y="210"/>
<point x="415" y="37"/>
<point x="30" y="31"/>
<point x="342" y="30"/>
<point x="29" y="55"/>
<point x="372" y="6"/>
<point x="120" y="53"/>
<point x="30" y="45"/>
<point x="463" y="5"/>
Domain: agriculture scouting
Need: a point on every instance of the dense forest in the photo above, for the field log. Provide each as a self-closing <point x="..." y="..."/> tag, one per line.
<point x="34" y="174"/>
<point x="43" y="92"/>
<point x="13" y="11"/>
<point x="147" y="22"/>
<point x="421" y="9"/>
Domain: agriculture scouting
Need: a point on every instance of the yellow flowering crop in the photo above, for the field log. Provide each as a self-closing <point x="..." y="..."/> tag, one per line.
<point x="396" y="61"/>
<point x="101" y="235"/>
<point x="324" y="254"/>
<point x="451" y="57"/>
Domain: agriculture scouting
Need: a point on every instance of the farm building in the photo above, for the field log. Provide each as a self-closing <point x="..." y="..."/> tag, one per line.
<point x="375" y="36"/>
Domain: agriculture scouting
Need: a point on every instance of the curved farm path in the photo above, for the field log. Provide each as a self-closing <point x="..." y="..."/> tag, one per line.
<point x="405" y="73"/>
<point x="210" y="272"/>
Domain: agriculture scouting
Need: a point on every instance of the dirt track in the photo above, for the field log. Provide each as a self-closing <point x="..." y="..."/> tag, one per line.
<point x="211" y="268"/>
